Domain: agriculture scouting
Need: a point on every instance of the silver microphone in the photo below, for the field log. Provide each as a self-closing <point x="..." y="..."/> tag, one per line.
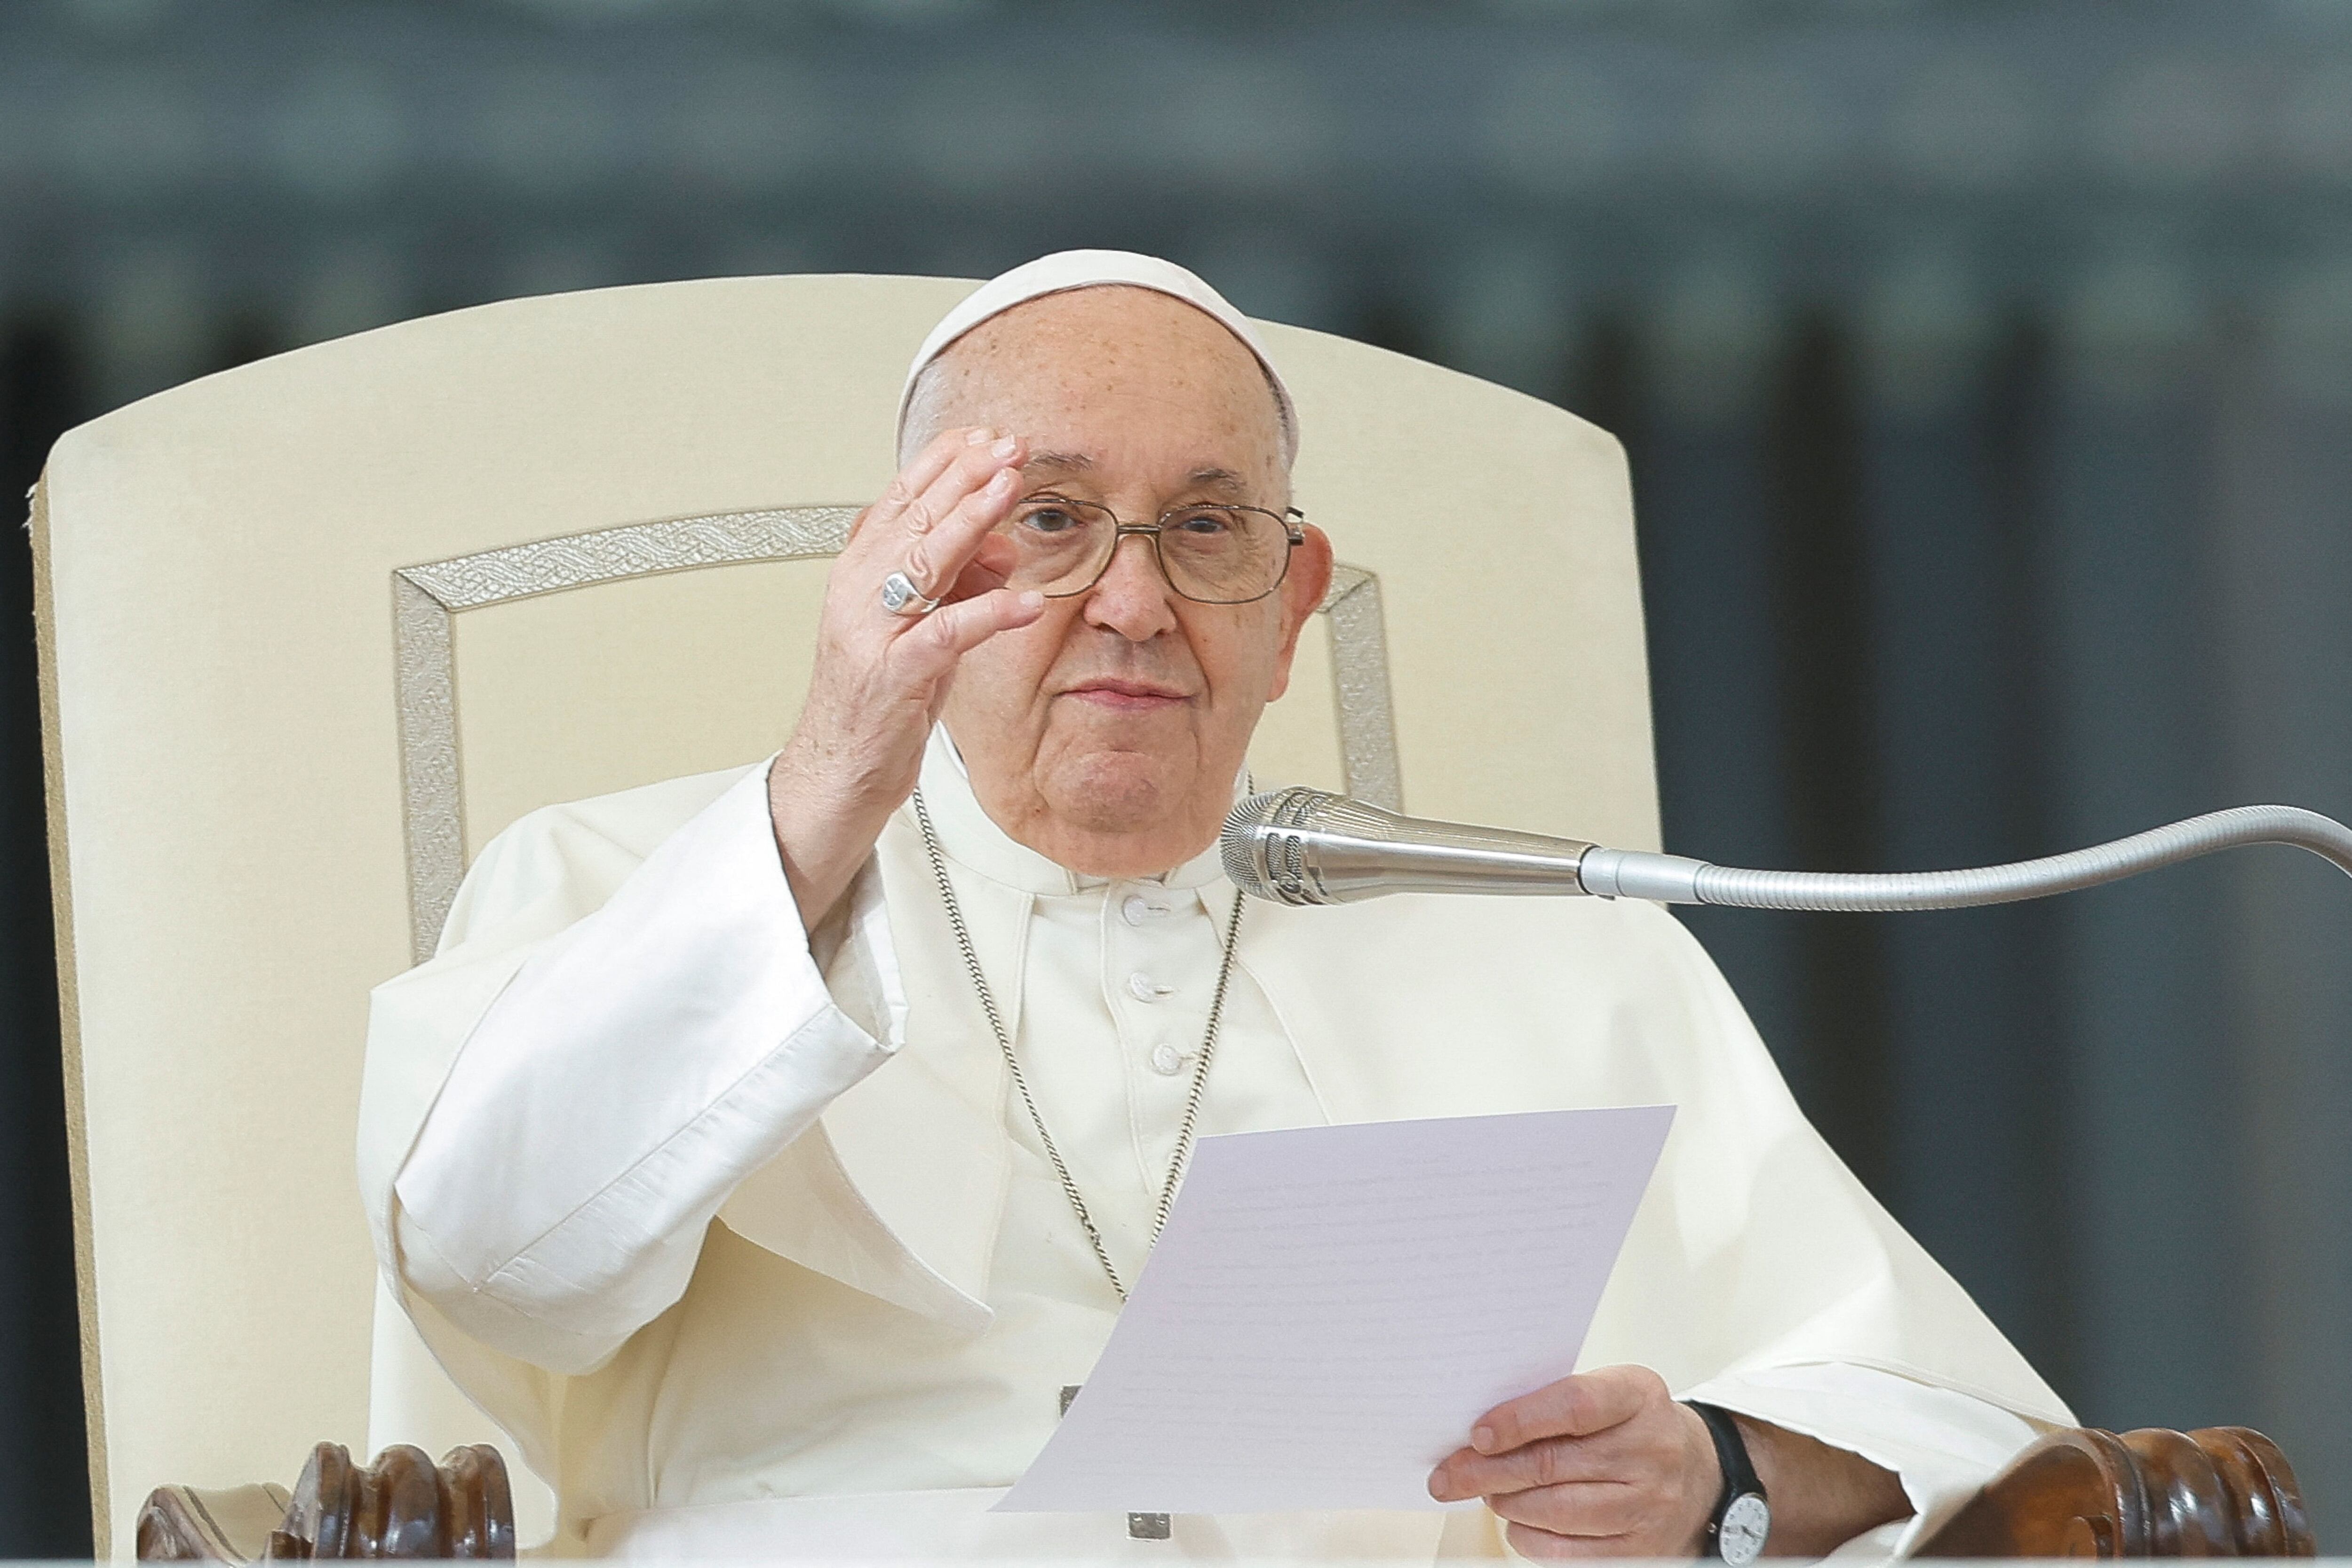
<point x="1309" y="846"/>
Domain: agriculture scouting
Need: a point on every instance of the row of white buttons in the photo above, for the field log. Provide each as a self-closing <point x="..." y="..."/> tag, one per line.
<point x="1138" y="910"/>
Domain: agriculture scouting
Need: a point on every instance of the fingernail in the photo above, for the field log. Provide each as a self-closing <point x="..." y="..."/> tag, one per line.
<point x="1482" y="1439"/>
<point x="974" y="437"/>
<point x="1031" y="600"/>
<point x="1003" y="479"/>
<point x="1007" y="447"/>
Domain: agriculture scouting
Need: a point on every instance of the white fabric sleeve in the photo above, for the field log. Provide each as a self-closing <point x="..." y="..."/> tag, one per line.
<point x="637" y="1067"/>
<point x="1943" y="1443"/>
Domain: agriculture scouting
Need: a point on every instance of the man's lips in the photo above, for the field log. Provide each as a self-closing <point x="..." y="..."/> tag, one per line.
<point x="1127" y="696"/>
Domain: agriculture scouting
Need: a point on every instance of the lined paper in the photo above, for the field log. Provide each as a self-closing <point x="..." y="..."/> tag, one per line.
<point x="1329" y="1307"/>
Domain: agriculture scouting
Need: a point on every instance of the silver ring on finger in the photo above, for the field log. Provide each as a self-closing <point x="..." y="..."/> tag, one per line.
<point x="901" y="597"/>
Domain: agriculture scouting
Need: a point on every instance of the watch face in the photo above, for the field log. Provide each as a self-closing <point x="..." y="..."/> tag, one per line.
<point x="1739" y="1538"/>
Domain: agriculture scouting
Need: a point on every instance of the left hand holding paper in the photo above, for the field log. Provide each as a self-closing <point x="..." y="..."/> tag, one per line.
<point x="1603" y="1464"/>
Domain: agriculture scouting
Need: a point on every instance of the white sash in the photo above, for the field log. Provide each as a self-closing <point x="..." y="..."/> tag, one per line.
<point x="957" y="1524"/>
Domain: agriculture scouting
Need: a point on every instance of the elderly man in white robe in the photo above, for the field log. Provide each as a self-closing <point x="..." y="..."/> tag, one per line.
<point x="767" y="1151"/>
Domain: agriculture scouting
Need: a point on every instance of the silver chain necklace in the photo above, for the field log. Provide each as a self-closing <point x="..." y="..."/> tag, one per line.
<point x="1184" y="1131"/>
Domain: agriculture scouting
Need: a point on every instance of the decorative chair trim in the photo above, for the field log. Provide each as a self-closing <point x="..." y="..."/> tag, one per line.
<point x="428" y="597"/>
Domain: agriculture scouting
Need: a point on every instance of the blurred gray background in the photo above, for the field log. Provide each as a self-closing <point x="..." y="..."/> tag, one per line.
<point x="1987" y="370"/>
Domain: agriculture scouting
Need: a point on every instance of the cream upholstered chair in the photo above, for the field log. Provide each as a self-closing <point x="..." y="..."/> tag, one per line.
<point x="313" y="630"/>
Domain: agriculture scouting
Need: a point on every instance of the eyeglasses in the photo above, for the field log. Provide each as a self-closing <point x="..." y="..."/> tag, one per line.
<point x="1211" y="554"/>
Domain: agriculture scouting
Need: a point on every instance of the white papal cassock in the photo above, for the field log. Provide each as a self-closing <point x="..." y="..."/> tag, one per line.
<point x="743" y="1239"/>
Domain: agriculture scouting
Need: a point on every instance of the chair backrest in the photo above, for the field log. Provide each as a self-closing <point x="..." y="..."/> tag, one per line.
<point x="314" y="629"/>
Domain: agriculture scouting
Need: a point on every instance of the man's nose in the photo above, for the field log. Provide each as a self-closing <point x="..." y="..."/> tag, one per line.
<point x="1132" y="598"/>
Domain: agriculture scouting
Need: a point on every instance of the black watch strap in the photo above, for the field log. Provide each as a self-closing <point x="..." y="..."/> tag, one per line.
<point x="1739" y="1477"/>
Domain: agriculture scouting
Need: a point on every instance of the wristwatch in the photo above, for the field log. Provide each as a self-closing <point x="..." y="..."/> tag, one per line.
<point x="1742" y="1517"/>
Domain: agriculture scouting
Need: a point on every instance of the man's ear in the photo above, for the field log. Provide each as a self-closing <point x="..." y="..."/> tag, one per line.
<point x="1303" y="587"/>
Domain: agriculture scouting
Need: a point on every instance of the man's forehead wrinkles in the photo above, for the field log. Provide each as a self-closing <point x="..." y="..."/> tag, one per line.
<point x="1209" y="477"/>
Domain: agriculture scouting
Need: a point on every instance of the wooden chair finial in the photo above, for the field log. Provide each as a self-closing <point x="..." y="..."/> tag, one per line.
<point x="2219" y="1491"/>
<point x="402" y="1506"/>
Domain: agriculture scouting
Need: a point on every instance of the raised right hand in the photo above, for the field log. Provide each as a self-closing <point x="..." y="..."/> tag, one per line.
<point x="881" y="678"/>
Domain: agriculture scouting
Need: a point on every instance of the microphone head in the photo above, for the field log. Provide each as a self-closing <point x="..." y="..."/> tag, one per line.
<point x="1311" y="846"/>
<point x="1265" y="860"/>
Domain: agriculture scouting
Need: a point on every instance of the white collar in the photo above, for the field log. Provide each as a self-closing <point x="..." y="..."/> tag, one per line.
<point x="969" y="837"/>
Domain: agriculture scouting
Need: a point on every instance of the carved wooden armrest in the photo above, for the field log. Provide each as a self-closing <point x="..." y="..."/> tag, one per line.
<point x="2219" y="1491"/>
<point x="400" y="1506"/>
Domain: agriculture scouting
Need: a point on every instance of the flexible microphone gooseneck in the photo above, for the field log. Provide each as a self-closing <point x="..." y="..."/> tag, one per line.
<point x="1308" y="846"/>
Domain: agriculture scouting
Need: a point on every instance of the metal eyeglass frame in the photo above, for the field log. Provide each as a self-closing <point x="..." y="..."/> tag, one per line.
<point x="1293" y="531"/>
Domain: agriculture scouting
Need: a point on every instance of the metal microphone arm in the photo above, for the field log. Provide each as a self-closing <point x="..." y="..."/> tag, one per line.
<point x="1704" y="883"/>
<point x="1305" y="846"/>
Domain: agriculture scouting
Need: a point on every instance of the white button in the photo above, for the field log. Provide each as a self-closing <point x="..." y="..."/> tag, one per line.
<point x="1167" y="1061"/>
<point x="1138" y="909"/>
<point x="1143" y="989"/>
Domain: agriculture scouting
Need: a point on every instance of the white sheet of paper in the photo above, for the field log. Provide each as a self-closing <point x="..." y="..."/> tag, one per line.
<point x="1329" y="1307"/>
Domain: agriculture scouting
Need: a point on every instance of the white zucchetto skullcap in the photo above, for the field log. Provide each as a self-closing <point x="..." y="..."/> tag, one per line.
<point x="1067" y="270"/>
